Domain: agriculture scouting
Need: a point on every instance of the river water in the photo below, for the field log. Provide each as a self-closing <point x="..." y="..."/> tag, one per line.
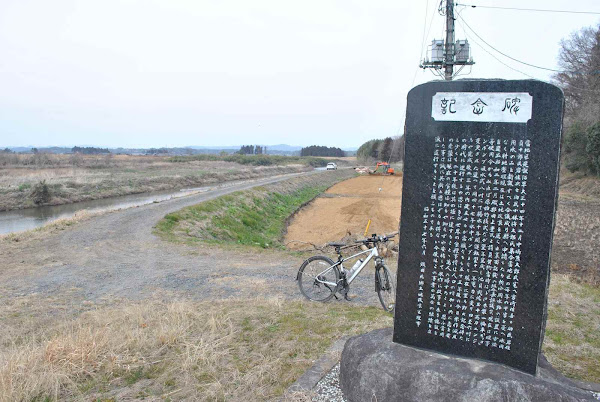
<point x="31" y="218"/>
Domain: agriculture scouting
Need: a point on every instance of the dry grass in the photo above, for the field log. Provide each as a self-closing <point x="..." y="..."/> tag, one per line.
<point x="227" y="350"/>
<point x="579" y="186"/>
<point x="572" y="342"/>
<point x="223" y="350"/>
<point x="95" y="177"/>
<point x="576" y="247"/>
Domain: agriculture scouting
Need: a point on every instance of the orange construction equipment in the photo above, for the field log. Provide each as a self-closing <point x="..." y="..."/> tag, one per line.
<point x="382" y="169"/>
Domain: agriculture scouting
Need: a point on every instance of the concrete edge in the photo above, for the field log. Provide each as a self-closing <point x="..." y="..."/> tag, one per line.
<point x="588" y="386"/>
<point x="323" y="365"/>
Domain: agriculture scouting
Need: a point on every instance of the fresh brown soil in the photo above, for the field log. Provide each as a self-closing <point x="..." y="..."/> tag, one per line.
<point x="345" y="209"/>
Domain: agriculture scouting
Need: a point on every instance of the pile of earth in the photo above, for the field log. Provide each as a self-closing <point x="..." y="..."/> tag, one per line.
<point x="343" y="212"/>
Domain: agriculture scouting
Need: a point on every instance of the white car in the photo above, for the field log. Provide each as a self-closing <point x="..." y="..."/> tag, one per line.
<point x="331" y="166"/>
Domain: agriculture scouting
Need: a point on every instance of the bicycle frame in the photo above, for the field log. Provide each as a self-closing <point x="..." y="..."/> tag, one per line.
<point x="372" y="253"/>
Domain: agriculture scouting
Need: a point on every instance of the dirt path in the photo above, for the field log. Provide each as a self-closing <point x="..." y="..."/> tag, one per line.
<point x="116" y="256"/>
<point x="345" y="209"/>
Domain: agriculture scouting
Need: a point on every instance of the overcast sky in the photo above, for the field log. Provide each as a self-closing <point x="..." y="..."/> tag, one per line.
<point x="151" y="73"/>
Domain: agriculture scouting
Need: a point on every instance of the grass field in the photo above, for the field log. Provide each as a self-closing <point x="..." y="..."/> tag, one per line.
<point x="73" y="178"/>
<point x="265" y="160"/>
<point x="572" y="342"/>
<point x="222" y="350"/>
<point x="255" y="217"/>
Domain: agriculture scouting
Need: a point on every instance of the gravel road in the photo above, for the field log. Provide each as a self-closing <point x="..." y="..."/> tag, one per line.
<point x="116" y="256"/>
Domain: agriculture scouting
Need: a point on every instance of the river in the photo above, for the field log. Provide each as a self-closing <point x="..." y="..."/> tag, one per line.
<point x="31" y="218"/>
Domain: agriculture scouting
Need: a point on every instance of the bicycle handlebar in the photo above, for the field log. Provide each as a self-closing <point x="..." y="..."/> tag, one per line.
<point x="377" y="239"/>
<point x="373" y="239"/>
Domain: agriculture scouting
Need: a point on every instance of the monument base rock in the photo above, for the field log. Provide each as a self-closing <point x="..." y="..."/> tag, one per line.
<point x="373" y="368"/>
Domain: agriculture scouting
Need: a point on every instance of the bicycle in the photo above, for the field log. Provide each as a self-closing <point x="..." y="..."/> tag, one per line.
<point x="319" y="278"/>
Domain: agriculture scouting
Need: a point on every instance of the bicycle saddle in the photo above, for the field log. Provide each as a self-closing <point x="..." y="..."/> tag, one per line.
<point x="336" y="244"/>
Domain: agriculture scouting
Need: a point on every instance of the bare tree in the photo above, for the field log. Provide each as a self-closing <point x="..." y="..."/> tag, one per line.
<point x="579" y="60"/>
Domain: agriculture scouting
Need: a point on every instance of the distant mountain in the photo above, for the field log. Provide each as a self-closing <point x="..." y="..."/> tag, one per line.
<point x="20" y="149"/>
<point x="231" y="147"/>
<point x="49" y="150"/>
<point x="283" y="147"/>
<point x="278" y="149"/>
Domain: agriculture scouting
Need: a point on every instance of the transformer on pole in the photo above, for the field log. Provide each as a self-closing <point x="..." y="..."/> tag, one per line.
<point x="449" y="53"/>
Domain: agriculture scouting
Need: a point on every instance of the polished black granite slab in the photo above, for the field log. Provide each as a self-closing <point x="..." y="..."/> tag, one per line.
<point x="478" y="207"/>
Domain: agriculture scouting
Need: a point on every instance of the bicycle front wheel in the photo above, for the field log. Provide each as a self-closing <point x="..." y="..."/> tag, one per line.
<point x="318" y="278"/>
<point x="386" y="288"/>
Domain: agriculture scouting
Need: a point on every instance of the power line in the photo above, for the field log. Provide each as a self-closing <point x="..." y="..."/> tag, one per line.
<point x="424" y="36"/>
<point x="424" y="29"/>
<point x="491" y="54"/>
<point x="443" y="52"/>
<point x="430" y="25"/>
<point x="531" y="9"/>
<point x="422" y="41"/>
<point x="512" y="68"/>
<point x="504" y="54"/>
<point x="594" y="72"/>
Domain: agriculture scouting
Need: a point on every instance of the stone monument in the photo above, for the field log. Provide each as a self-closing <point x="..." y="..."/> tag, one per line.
<point x="479" y="199"/>
<point x="478" y="206"/>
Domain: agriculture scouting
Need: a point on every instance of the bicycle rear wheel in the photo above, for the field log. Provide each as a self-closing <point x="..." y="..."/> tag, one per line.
<point x="318" y="278"/>
<point x="386" y="288"/>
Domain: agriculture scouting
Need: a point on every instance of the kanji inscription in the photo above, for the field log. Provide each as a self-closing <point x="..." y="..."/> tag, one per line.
<point x="478" y="205"/>
<point x="472" y="229"/>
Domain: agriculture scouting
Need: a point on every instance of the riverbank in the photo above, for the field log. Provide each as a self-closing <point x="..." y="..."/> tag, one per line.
<point x="255" y="217"/>
<point x="16" y="221"/>
<point x="65" y="179"/>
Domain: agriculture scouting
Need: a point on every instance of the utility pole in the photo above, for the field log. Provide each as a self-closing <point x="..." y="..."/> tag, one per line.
<point x="449" y="45"/>
<point x="445" y="54"/>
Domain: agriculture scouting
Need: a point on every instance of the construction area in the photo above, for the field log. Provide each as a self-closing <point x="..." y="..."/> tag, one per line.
<point x="345" y="209"/>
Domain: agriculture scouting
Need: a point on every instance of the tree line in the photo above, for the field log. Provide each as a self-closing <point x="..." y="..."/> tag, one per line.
<point x="86" y="150"/>
<point x="384" y="150"/>
<point x="319" y="150"/>
<point x="579" y="61"/>
<point x="252" y="150"/>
